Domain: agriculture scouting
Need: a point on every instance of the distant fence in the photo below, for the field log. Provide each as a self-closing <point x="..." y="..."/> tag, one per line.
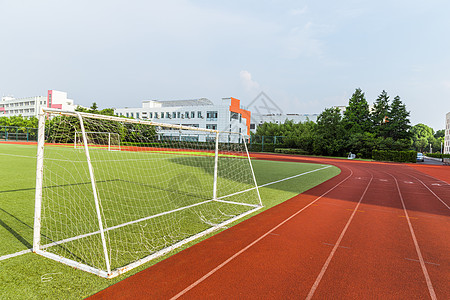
<point x="260" y="143"/>
<point x="14" y="133"/>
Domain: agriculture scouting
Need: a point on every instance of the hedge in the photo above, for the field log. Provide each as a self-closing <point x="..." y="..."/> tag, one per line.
<point x="397" y="156"/>
<point x="259" y="147"/>
<point x="437" y="155"/>
<point x="290" y="151"/>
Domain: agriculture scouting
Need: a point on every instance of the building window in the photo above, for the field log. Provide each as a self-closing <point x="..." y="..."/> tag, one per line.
<point x="167" y="115"/>
<point x="150" y="115"/>
<point x="252" y="126"/>
<point x="192" y="114"/>
<point x="199" y="114"/>
<point x="211" y="115"/>
<point x="186" y="115"/>
<point x="211" y="126"/>
<point x="234" y="116"/>
<point x="127" y="115"/>
<point x="132" y="115"/>
<point x="137" y="115"/>
<point x="179" y="115"/>
<point x="174" y="115"/>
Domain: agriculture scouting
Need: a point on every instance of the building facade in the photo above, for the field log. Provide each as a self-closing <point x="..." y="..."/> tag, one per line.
<point x="29" y="106"/>
<point x="259" y="119"/>
<point x="447" y="134"/>
<point x="228" y="116"/>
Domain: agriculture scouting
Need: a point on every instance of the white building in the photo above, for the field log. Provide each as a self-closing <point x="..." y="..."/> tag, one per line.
<point x="200" y="113"/>
<point x="259" y="119"/>
<point x="29" y="106"/>
<point x="447" y="134"/>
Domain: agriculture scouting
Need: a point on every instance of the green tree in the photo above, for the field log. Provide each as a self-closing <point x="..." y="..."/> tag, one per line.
<point x="107" y="112"/>
<point x="357" y="115"/>
<point x="423" y="136"/>
<point x="439" y="134"/>
<point x="379" y="115"/>
<point x="330" y="133"/>
<point x="398" y="124"/>
<point x="94" y="108"/>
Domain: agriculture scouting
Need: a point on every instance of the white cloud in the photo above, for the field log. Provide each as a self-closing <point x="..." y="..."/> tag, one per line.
<point x="298" y="11"/>
<point x="250" y="85"/>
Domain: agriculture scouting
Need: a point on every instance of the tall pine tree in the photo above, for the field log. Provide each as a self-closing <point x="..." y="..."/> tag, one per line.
<point x="357" y="115"/>
<point x="379" y="115"/>
<point x="399" y="124"/>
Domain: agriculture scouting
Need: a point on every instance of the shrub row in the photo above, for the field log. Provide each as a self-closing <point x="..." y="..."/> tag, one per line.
<point x="397" y="156"/>
<point x="437" y="155"/>
<point x="291" y="151"/>
<point x="259" y="147"/>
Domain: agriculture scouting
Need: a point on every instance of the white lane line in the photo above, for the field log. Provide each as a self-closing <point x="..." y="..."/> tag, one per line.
<point x="434" y="178"/>
<point x="190" y="287"/>
<point x="15" y="254"/>
<point x="431" y="191"/>
<point x="336" y="246"/>
<point x="416" y="244"/>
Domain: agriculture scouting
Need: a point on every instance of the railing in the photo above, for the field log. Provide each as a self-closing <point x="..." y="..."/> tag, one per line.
<point x="14" y="133"/>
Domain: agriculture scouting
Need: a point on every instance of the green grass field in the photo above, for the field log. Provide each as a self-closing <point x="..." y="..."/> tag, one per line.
<point x="34" y="277"/>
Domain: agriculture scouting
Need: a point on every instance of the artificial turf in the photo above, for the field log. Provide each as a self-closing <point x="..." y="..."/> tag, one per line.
<point x="31" y="276"/>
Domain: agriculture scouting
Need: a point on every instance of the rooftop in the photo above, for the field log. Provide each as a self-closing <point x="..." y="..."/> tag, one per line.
<point x="171" y="103"/>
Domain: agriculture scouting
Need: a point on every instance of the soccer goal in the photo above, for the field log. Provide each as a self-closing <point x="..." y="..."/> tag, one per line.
<point x="106" y="212"/>
<point x="103" y="140"/>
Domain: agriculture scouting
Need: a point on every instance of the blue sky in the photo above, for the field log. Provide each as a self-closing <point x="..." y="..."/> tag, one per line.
<point x="306" y="55"/>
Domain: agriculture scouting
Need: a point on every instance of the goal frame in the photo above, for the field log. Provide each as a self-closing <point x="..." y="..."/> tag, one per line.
<point x="109" y="273"/>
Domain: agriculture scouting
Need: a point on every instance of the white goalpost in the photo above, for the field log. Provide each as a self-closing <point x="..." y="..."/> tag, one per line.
<point x="106" y="212"/>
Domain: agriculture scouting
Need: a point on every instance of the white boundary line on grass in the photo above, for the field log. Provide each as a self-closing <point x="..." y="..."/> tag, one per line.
<point x="7" y="154"/>
<point x="15" y="254"/>
<point x="117" y="226"/>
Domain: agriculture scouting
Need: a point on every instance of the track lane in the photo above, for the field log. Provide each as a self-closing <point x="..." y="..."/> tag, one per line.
<point x="174" y="274"/>
<point x="373" y="264"/>
<point x="304" y="248"/>
<point x="430" y="219"/>
<point x="293" y="254"/>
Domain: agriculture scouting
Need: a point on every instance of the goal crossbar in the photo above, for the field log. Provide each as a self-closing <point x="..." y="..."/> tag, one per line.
<point x="106" y="199"/>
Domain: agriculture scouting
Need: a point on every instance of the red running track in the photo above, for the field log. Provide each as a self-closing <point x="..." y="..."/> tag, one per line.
<point x="376" y="230"/>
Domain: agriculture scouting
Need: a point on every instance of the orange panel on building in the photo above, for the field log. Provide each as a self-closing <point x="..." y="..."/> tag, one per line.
<point x="236" y="107"/>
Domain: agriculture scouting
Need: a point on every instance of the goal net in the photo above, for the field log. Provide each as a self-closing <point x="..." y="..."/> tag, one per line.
<point x="107" y="212"/>
<point x="107" y="140"/>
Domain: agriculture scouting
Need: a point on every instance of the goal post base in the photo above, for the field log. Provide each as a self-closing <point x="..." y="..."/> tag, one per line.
<point x="121" y="270"/>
